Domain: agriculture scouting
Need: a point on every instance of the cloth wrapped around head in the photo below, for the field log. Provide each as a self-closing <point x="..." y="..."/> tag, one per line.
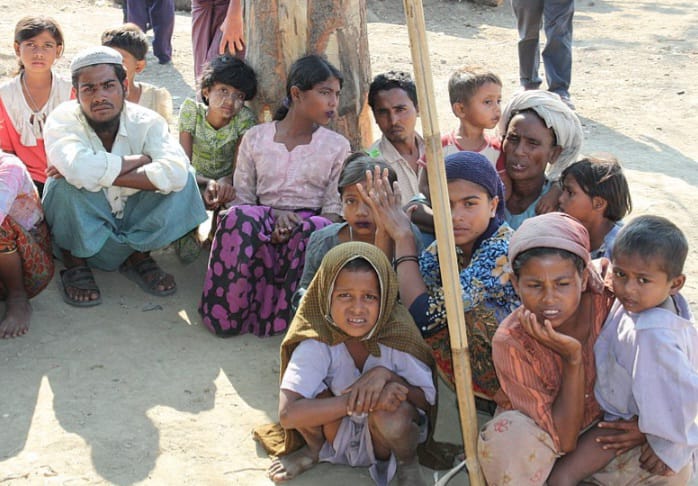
<point x="395" y="327"/>
<point x="557" y="116"/>
<point x="475" y="168"/>
<point x="555" y="230"/>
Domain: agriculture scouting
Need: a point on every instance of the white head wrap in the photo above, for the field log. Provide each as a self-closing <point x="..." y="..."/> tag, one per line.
<point x="558" y="116"/>
<point x="95" y="55"/>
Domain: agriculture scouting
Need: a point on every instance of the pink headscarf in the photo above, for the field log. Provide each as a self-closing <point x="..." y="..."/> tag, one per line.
<point x="555" y="230"/>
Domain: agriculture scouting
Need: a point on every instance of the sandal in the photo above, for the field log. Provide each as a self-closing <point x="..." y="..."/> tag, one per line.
<point x="188" y="247"/>
<point x="80" y="278"/>
<point x="148" y="275"/>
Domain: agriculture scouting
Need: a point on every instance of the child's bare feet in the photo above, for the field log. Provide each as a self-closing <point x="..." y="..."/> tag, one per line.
<point x="410" y="474"/>
<point x="15" y="323"/>
<point x="288" y="467"/>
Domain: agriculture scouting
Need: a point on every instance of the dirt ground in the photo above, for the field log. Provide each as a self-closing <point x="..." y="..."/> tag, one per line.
<point x="137" y="391"/>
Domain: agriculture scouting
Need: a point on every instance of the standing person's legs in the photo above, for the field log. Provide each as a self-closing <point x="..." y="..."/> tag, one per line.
<point x="162" y="17"/>
<point x="529" y="15"/>
<point x="557" y="54"/>
<point x="206" y="19"/>
<point x="136" y="11"/>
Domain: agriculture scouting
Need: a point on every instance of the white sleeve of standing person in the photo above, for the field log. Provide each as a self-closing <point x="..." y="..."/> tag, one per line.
<point x="665" y="387"/>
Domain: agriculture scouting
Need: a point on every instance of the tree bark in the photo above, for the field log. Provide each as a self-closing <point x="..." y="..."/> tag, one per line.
<point x="277" y="32"/>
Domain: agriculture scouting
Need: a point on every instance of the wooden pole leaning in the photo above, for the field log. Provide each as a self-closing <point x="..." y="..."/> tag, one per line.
<point x="414" y="13"/>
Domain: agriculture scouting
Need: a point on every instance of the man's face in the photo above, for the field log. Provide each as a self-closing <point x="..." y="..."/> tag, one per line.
<point x="100" y="94"/>
<point x="395" y="115"/>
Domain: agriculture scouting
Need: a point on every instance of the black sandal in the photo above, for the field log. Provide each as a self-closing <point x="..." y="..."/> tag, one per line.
<point x="148" y="275"/>
<point x="80" y="278"/>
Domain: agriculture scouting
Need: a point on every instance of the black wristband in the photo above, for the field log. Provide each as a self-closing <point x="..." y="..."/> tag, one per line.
<point x="405" y="258"/>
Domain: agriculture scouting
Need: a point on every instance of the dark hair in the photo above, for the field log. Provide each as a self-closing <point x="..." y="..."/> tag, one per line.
<point x="359" y="264"/>
<point x="128" y="37"/>
<point x="603" y="177"/>
<point x="229" y="70"/>
<point x="465" y="82"/>
<point x="304" y="74"/>
<point x="653" y="237"/>
<point x="392" y="80"/>
<point x="523" y="257"/>
<point x="527" y="111"/>
<point x="355" y="166"/>
<point x="33" y="25"/>
<point x="119" y="71"/>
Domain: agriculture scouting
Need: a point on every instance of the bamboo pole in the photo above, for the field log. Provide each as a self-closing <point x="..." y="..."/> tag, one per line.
<point x="414" y="13"/>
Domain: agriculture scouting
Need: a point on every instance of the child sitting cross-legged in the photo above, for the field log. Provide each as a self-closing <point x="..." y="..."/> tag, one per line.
<point x="647" y="369"/>
<point x="357" y="383"/>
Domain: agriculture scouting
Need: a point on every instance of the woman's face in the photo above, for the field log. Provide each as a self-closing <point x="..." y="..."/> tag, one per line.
<point x="471" y="211"/>
<point x="551" y="287"/>
<point x="358" y="215"/>
<point x="528" y="147"/>
<point x="355" y="303"/>
<point x="319" y="103"/>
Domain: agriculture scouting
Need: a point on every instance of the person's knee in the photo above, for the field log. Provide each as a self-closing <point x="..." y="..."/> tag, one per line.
<point x="395" y="425"/>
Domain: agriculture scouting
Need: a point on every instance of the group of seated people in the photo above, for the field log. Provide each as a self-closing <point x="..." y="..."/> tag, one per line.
<point x="588" y="367"/>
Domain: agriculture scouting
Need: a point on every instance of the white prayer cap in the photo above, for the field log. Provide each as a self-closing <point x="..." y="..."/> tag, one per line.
<point x="95" y="55"/>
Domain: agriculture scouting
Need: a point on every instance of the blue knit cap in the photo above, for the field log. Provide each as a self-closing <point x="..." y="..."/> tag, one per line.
<point x="474" y="167"/>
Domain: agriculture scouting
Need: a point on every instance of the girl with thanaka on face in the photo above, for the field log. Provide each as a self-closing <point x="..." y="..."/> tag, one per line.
<point x="538" y="131"/>
<point x="28" y="98"/>
<point x="595" y="191"/>
<point x="356" y="381"/>
<point x="544" y="352"/>
<point x="286" y="187"/>
<point x="210" y="131"/>
<point x="482" y="237"/>
<point x="359" y="223"/>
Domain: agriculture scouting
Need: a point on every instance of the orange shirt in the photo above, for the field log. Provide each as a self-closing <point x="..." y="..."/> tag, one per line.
<point x="531" y="374"/>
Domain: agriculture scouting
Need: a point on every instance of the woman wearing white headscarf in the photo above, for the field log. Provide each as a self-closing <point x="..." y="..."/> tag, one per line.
<point x="539" y="132"/>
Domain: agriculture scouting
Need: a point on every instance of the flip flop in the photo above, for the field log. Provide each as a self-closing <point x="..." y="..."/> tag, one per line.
<point x="147" y="268"/>
<point x="80" y="278"/>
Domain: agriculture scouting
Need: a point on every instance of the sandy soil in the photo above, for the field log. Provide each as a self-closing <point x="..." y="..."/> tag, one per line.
<point x="136" y="391"/>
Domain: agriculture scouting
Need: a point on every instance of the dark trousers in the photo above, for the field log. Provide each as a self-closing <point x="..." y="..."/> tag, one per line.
<point x="158" y="15"/>
<point x="555" y="16"/>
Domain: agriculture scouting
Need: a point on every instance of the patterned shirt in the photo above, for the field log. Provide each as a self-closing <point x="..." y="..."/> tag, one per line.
<point x="268" y="174"/>
<point x="213" y="150"/>
<point x="407" y="178"/>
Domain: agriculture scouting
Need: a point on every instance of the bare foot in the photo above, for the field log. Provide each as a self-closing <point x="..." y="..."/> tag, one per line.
<point x="15" y="323"/>
<point x="410" y="474"/>
<point x="288" y="467"/>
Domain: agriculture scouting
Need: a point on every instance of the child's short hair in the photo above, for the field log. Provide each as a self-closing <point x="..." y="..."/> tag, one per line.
<point x="465" y="82"/>
<point x="128" y="37"/>
<point x="654" y="237"/>
<point x="392" y="80"/>
<point x="602" y="176"/>
<point x="355" y="167"/>
<point x="232" y="71"/>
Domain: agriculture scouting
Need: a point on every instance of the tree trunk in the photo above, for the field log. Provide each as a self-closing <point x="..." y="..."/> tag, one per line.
<point x="278" y="32"/>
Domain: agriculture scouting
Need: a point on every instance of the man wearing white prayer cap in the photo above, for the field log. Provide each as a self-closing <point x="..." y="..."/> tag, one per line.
<point x="119" y="184"/>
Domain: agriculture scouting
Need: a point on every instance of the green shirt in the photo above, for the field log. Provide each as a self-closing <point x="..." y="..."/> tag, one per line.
<point x="213" y="151"/>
